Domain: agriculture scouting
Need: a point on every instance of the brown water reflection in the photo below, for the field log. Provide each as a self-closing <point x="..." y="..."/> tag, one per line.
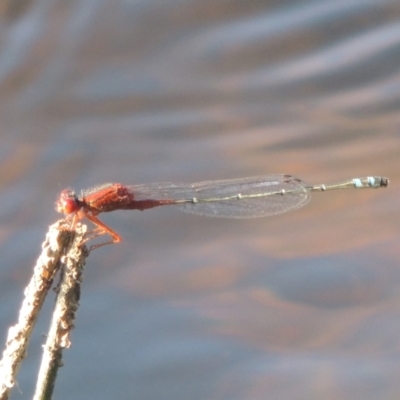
<point x="302" y="305"/>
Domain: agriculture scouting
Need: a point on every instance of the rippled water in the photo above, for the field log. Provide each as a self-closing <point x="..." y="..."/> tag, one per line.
<point x="298" y="306"/>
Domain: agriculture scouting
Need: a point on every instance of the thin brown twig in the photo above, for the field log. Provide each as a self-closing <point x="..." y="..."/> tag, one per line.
<point x="58" y="241"/>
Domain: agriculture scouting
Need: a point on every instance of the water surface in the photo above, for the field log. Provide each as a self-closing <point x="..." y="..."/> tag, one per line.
<point x="303" y="305"/>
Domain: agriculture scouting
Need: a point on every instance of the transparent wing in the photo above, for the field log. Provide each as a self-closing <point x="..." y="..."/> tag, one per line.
<point x="234" y="198"/>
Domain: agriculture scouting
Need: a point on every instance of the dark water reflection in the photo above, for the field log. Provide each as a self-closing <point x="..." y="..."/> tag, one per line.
<point x="303" y="305"/>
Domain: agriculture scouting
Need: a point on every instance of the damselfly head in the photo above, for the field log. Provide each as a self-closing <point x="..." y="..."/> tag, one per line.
<point x="67" y="202"/>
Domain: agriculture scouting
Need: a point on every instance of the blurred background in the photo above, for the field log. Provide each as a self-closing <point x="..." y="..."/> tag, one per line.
<point x="304" y="305"/>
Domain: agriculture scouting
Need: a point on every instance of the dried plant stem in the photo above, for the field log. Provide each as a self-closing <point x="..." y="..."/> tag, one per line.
<point x="62" y="323"/>
<point x="58" y="242"/>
